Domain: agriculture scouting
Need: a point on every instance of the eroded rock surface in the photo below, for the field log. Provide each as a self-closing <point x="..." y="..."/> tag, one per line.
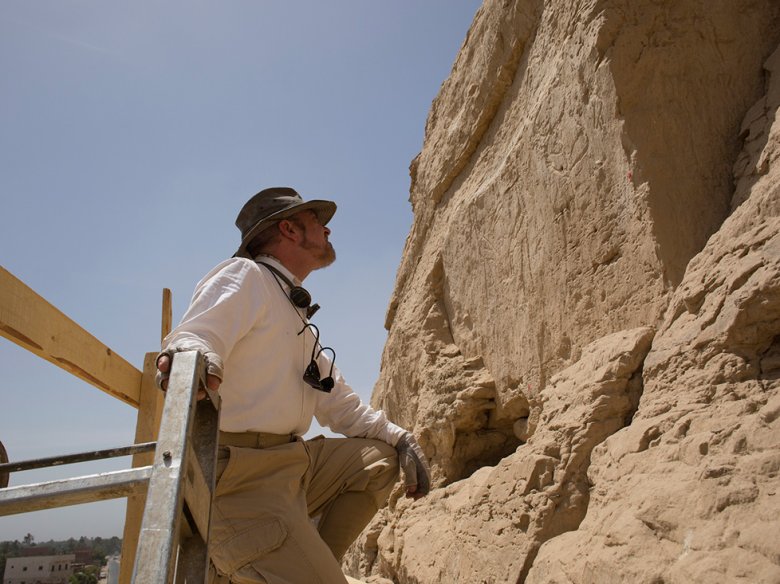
<point x="593" y="171"/>
<point x="689" y="492"/>
<point x="536" y="493"/>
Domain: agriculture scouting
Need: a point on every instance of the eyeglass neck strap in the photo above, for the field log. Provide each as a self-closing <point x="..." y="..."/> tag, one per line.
<point x="297" y="295"/>
<point x="279" y="273"/>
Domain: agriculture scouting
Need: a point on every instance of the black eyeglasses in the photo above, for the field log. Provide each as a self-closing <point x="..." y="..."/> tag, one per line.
<point x="312" y="374"/>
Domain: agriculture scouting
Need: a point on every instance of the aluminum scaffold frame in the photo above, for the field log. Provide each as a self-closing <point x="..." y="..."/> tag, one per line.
<point x="179" y="484"/>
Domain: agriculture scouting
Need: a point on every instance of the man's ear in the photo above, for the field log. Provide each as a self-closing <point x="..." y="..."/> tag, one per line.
<point x="289" y="230"/>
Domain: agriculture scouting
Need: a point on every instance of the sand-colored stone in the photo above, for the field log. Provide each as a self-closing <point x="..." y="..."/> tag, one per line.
<point x="689" y="491"/>
<point x="456" y="534"/>
<point x="593" y="171"/>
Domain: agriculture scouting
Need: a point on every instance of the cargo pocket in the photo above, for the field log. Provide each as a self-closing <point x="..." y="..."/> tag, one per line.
<point x="255" y="540"/>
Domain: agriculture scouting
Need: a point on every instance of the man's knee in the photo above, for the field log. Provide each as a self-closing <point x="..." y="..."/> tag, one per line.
<point x="383" y="468"/>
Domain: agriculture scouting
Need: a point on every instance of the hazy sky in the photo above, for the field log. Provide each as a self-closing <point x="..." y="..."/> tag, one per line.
<point x="130" y="135"/>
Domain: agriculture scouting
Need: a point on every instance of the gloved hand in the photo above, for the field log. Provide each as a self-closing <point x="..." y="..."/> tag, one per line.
<point x="417" y="473"/>
<point x="213" y="369"/>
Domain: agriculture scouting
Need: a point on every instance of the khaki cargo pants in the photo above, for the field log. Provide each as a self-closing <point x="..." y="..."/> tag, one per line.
<point x="268" y="490"/>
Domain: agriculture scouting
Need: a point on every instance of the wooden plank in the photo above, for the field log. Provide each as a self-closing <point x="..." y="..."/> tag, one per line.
<point x="146" y="430"/>
<point x="149" y="410"/>
<point x="31" y="322"/>
<point x="167" y="314"/>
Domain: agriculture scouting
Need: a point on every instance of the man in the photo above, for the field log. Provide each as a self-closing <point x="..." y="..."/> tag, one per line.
<point x="285" y="509"/>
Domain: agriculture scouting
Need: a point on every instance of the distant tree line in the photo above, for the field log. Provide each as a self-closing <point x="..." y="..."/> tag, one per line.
<point x="99" y="547"/>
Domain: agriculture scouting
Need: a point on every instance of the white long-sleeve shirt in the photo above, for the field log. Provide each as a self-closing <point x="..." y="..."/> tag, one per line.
<point x="242" y="312"/>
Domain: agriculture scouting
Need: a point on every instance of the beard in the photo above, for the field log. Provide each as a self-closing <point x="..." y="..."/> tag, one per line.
<point x="325" y="254"/>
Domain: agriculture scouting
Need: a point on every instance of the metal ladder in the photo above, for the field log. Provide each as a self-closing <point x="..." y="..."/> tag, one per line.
<point x="179" y="484"/>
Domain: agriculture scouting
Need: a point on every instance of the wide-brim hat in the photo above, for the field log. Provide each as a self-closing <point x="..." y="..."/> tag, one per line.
<point x="272" y="205"/>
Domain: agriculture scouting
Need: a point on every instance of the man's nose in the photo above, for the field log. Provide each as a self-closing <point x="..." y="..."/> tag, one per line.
<point x="327" y="230"/>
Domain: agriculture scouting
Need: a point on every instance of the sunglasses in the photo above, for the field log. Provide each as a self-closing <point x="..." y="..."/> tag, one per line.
<point x="312" y="374"/>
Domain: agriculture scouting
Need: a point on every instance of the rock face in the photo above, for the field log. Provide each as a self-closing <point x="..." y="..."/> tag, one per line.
<point x="585" y="330"/>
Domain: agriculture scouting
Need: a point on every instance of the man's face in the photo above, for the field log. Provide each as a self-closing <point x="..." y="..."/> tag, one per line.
<point x="315" y="239"/>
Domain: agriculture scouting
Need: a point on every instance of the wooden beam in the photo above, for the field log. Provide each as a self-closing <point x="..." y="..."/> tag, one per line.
<point x="31" y="322"/>
<point x="167" y="314"/>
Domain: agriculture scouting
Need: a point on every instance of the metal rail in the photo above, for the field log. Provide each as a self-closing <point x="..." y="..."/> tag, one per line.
<point x="73" y="491"/>
<point x="50" y="461"/>
<point x="182" y="481"/>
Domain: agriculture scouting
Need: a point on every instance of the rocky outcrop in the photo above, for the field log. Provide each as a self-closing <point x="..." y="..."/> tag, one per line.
<point x="536" y="493"/>
<point x="593" y="171"/>
<point x="688" y="492"/>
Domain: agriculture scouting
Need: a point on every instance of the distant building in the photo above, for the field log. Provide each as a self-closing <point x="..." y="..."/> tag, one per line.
<point x="37" y="550"/>
<point x="39" y="569"/>
<point x="84" y="557"/>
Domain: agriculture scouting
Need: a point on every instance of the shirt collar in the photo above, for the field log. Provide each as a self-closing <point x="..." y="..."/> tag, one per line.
<point x="272" y="261"/>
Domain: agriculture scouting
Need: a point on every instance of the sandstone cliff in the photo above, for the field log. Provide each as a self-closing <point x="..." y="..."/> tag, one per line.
<point x="585" y="330"/>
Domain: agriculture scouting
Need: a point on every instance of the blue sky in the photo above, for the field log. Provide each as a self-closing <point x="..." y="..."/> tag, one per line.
<point x="131" y="135"/>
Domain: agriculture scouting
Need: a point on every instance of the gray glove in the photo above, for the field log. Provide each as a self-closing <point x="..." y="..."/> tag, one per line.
<point x="417" y="473"/>
<point x="213" y="365"/>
